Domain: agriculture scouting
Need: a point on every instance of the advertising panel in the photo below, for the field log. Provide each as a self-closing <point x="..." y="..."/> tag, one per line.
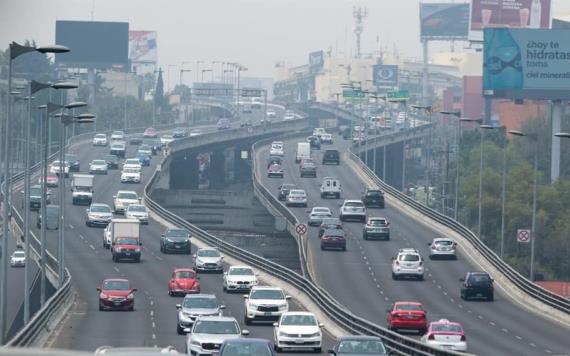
<point x="93" y="43"/>
<point x="508" y="13"/>
<point x="316" y="61"/>
<point x="526" y="64"/>
<point x="142" y="46"/>
<point x="560" y="24"/>
<point x="385" y="75"/>
<point x="444" y="20"/>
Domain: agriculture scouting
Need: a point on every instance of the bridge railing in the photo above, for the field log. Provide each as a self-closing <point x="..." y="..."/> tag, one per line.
<point x="533" y="290"/>
<point x="332" y="308"/>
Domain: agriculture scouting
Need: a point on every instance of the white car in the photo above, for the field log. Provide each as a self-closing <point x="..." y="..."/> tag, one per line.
<point x="318" y="131"/>
<point x="271" y="114"/>
<point x="98" y="215"/>
<point x="446" y="335"/>
<point x="208" y="259"/>
<point x="296" y="197"/>
<point x="326" y="138"/>
<point x="137" y="211"/>
<point x="18" y="259"/>
<point x="277" y="149"/>
<point x="408" y="263"/>
<point x="209" y="333"/>
<point x="123" y="199"/>
<point x="131" y="175"/>
<point x="442" y="248"/>
<point x="100" y="140"/>
<point x="98" y="166"/>
<point x="195" y="132"/>
<point x="318" y="213"/>
<point x="54" y="168"/>
<point x="298" y="330"/>
<point x="239" y="278"/>
<point x="330" y="188"/>
<point x="132" y="163"/>
<point x="265" y="304"/>
<point x="117" y="136"/>
<point x="353" y="209"/>
<point x="289" y="115"/>
<point x="166" y="139"/>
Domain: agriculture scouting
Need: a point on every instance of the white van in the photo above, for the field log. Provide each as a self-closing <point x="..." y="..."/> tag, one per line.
<point x="303" y="151"/>
<point x="318" y="131"/>
<point x="330" y="188"/>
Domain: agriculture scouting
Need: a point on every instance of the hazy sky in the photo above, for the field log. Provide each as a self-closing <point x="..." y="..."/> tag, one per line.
<point x="255" y="33"/>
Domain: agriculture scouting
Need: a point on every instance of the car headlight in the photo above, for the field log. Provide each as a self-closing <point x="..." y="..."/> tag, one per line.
<point x="199" y="262"/>
<point x="103" y="296"/>
<point x="315" y="334"/>
<point x="131" y="296"/>
<point x="284" y="307"/>
<point x="252" y="305"/>
<point x="196" y="342"/>
<point x="188" y="315"/>
<point x="281" y="333"/>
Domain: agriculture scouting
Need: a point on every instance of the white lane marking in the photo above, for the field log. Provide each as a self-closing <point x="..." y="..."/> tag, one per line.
<point x="153" y="325"/>
<point x="452" y="300"/>
<point x="151" y="302"/>
<point x="505" y="330"/>
<point x="518" y="337"/>
<point x="158" y="258"/>
<point x="81" y="237"/>
<point x="547" y="351"/>
<point x="532" y="344"/>
<point x="71" y="226"/>
<point x="493" y="324"/>
<point x="92" y="247"/>
<point x="480" y="317"/>
<point x="153" y="336"/>
<point x="116" y="269"/>
<point x="152" y="313"/>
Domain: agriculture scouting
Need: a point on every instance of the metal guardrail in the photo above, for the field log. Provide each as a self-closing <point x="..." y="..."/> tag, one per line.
<point x="332" y="308"/>
<point x="525" y="285"/>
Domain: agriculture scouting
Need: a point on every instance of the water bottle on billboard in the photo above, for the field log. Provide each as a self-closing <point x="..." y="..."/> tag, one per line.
<point x="535" y="14"/>
<point x="503" y="67"/>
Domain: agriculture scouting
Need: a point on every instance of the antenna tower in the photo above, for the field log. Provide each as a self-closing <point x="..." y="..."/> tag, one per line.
<point x="359" y="14"/>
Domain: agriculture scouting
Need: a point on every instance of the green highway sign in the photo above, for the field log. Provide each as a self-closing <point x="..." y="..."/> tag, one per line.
<point x="351" y="93"/>
<point x="400" y="95"/>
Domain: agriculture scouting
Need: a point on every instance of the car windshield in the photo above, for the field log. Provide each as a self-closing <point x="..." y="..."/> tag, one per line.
<point x="241" y="272"/>
<point x="275" y="167"/>
<point x="249" y="349"/>
<point x="334" y="232"/>
<point x="99" y="163"/>
<point x="408" y="307"/>
<point x="273" y="294"/>
<point x="19" y="254"/>
<point x="185" y="274"/>
<point x="129" y="196"/>
<point x="131" y="170"/>
<point x="444" y="242"/>
<point x="354" y="204"/>
<point x="215" y="327"/>
<point x="479" y="279"/>
<point x="52" y="210"/>
<point x="287" y="186"/>
<point x="441" y="327"/>
<point x="377" y="222"/>
<point x="35" y="192"/>
<point x="100" y="136"/>
<point x="110" y="158"/>
<point x="82" y="189"/>
<point x="176" y="233"/>
<point x="374" y="193"/>
<point x="361" y="347"/>
<point x="409" y="258"/>
<point x="116" y="285"/>
<point x="100" y="209"/>
<point x="137" y="208"/>
<point x="321" y="210"/>
<point x="127" y="241"/>
<point x="208" y="253"/>
<point x="117" y="146"/>
<point x="308" y="165"/>
<point x="298" y="319"/>
<point x="200" y="303"/>
<point x="132" y="161"/>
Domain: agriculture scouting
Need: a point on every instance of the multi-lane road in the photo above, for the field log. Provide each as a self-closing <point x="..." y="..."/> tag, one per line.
<point x="360" y="278"/>
<point x="154" y="320"/>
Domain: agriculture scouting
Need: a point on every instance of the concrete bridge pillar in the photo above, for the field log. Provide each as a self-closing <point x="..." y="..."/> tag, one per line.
<point x="217" y="169"/>
<point x="242" y="166"/>
<point x="183" y="171"/>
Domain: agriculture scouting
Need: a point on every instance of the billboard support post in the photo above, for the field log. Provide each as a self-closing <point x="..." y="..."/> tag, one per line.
<point x="555" y="161"/>
<point x="425" y="70"/>
<point x="488" y="102"/>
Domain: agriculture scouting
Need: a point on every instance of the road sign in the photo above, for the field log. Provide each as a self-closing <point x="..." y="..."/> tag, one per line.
<point x="523" y="236"/>
<point x="301" y="229"/>
<point x="385" y="75"/>
<point x="251" y="93"/>
<point x="400" y="95"/>
<point x="352" y="93"/>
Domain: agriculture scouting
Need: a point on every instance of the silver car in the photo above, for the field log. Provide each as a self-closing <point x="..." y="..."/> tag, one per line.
<point x="98" y="166"/>
<point x="18" y="259"/>
<point x="209" y="332"/>
<point x="408" y="263"/>
<point x="442" y="248"/>
<point x="194" y="306"/>
<point x="208" y="259"/>
<point x="317" y="214"/>
<point x="98" y="215"/>
<point x="137" y="211"/>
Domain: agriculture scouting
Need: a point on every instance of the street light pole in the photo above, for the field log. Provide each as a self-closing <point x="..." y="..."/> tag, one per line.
<point x="457" y="114"/>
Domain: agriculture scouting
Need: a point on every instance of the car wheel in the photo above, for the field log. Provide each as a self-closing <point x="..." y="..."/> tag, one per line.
<point x="132" y="308"/>
<point x="318" y="350"/>
<point x="277" y="348"/>
<point x="179" y="330"/>
<point x="161" y="248"/>
<point x="394" y="277"/>
<point x="100" y="307"/>
<point x="423" y="331"/>
<point x="224" y="289"/>
<point x="322" y="248"/>
<point x="365" y="237"/>
<point x="341" y="218"/>
<point x="246" y="320"/>
<point x="421" y="278"/>
<point x="491" y="297"/>
<point x="431" y="257"/>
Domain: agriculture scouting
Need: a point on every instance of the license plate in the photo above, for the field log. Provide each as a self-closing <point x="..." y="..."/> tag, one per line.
<point x="127" y="253"/>
<point x="117" y="303"/>
<point x="409" y="316"/>
<point x="479" y="294"/>
<point x="177" y="246"/>
<point x="267" y="314"/>
<point x="299" y="341"/>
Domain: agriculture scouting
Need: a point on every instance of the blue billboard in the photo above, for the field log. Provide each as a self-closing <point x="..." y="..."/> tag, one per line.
<point x="526" y="63"/>
<point x="384" y="75"/>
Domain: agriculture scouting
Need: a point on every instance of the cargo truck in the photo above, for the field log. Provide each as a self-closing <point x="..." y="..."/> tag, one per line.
<point x="123" y="236"/>
<point x="82" y="188"/>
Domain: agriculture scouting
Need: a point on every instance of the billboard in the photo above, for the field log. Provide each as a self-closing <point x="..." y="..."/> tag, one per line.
<point x="526" y="63"/>
<point x="444" y="20"/>
<point x="508" y="13"/>
<point x="142" y="46"/>
<point x="560" y="24"/>
<point x="316" y="61"/>
<point x="385" y="75"/>
<point x="93" y="43"/>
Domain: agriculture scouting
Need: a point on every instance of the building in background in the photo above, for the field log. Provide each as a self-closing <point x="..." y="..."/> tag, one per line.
<point x="143" y="52"/>
<point x="121" y="83"/>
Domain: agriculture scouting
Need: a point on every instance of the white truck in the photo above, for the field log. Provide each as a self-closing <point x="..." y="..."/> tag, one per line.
<point x="82" y="188"/>
<point x="122" y="236"/>
<point x="303" y="151"/>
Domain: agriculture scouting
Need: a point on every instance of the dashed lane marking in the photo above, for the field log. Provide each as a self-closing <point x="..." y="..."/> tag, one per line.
<point x="116" y="269"/>
<point x="92" y="247"/>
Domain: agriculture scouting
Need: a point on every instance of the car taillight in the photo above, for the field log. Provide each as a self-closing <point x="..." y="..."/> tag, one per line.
<point x="463" y="338"/>
<point x="431" y="337"/>
<point x="325" y="237"/>
<point x="421" y="263"/>
<point x="397" y="263"/>
<point x="433" y="247"/>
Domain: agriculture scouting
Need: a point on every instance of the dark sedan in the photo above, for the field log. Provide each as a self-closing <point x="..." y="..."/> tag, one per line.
<point x="112" y="161"/>
<point x="73" y="160"/>
<point x="359" y="346"/>
<point x="477" y="285"/>
<point x="135" y="139"/>
<point x="284" y="191"/>
<point x="143" y="158"/>
<point x="333" y="239"/>
<point x="175" y="241"/>
<point x="373" y="197"/>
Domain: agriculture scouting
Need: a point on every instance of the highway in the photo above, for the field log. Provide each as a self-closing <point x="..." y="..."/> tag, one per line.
<point x="360" y="278"/>
<point x="154" y="320"/>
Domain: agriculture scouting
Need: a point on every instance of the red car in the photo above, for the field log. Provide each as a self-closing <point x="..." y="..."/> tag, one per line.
<point x="183" y="281"/>
<point x="116" y="294"/>
<point x="51" y="179"/>
<point x="150" y="133"/>
<point x="407" y="315"/>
